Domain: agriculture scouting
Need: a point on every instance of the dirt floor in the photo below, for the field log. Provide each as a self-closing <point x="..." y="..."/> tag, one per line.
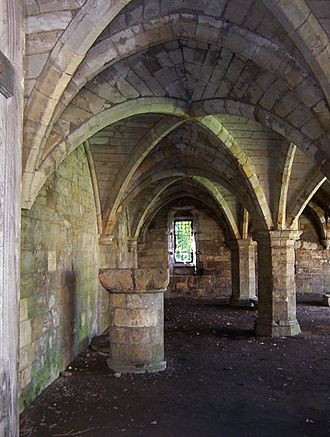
<point x="220" y="381"/>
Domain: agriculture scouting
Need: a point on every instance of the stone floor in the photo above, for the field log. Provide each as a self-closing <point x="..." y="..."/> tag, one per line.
<point x="220" y="381"/>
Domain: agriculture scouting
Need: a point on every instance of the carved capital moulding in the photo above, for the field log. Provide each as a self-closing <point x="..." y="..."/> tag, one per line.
<point x="134" y="280"/>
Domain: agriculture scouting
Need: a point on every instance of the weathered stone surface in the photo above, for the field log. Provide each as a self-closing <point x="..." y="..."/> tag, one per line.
<point x="136" y="318"/>
<point x="136" y="333"/>
<point x="62" y="303"/>
<point x="277" y="290"/>
<point x="25" y="333"/>
<point x="48" y="22"/>
<point x="117" y="300"/>
<point x="312" y="261"/>
<point x="151" y="279"/>
<point x="133" y="280"/>
<point x="213" y="278"/>
<point x="243" y="272"/>
<point x="34" y="64"/>
<point x="132" y="318"/>
<point x="117" y="279"/>
<point x="249" y="80"/>
<point x="11" y="123"/>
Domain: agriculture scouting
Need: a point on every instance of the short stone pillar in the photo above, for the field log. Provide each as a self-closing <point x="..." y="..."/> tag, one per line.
<point x="243" y="272"/>
<point x="136" y="330"/>
<point x="277" y="286"/>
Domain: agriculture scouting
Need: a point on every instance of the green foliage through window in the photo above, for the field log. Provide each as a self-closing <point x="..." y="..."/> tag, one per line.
<point x="183" y="241"/>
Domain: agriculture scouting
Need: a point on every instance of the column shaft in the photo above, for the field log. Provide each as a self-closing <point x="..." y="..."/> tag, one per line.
<point x="136" y="331"/>
<point x="243" y="272"/>
<point x="277" y="288"/>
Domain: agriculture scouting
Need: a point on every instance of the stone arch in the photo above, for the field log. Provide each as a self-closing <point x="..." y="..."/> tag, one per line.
<point x="169" y="106"/>
<point x="279" y="60"/>
<point x="305" y="30"/>
<point x="245" y="224"/>
<point x="216" y="193"/>
<point x="63" y="61"/>
<point x="95" y="185"/>
<point x="204" y="183"/>
<point x="182" y="108"/>
<point x="33" y="182"/>
<point x="247" y="197"/>
<point x="307" y="190"/>
<point x="110" y="116"/>
<point x="285" y="180"/>
<point x="157" y="175"/>
<point x="147" y="143"/>
<point x="203" y="28"/>
<point x="244" y="162"/>
<point x="147" y="210"/>
<point x="169" y="199"/>
<point x="321" y="222"/>
<point x="266" y="118"/>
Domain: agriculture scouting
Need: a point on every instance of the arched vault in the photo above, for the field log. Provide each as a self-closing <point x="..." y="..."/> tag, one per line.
<point x="261" y="98"/>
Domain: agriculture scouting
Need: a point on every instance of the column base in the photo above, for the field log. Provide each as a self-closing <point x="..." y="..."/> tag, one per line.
<point x="138" y="368"/>
<point x="281" y="329"/>
<point x="242" y="303"/>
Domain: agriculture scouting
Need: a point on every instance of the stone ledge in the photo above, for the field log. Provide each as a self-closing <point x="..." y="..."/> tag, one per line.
<point x="134" y="280"/>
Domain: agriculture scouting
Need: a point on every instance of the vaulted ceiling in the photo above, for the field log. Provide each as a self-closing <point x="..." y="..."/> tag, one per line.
<point x="226" y="100"/>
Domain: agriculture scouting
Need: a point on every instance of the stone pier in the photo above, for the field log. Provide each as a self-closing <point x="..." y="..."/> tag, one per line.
<point x="277" y="287"/>
<point x="243" y="272"/>
<point x="136" y="331"/>
<point x="11" y="132"/>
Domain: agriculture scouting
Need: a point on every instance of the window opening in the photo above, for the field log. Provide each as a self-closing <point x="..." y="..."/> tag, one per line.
<point x="184" y="246"/>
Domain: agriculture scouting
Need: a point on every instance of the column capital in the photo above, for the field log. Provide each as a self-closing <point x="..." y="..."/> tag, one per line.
<point x="240" y="243"/>
<point x="278" y="235"/>
<point x="134" y="280"/>
<point x="106" y="240"/>
<point x="131" y="243"/>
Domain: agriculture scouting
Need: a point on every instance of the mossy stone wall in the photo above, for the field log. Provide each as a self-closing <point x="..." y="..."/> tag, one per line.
<point x="62" y="303"/>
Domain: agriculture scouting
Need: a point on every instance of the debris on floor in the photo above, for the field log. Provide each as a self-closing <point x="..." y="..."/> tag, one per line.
<point x="220" y="381"/>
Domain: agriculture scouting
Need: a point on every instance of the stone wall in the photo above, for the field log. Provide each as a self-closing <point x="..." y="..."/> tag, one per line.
<point x="62" y="303"/>
<point x="213" y="278"/>
<point x="118" y="250"/>
<point x="312" y="261"/>
<point x="11" y="110"/>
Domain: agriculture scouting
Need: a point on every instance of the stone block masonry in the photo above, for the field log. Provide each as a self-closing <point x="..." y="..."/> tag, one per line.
<point x="136" y="331"/>
<point x="277" y="288"/>
<point x="11" y="127"/>
<point x="243" y="272"/>
<point x="312" y="262"/>
<point x="62" y="302"/>
<point x="213" y="278"/>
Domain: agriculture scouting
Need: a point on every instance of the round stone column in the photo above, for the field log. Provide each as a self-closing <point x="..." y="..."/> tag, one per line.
<point x="136" y="330"/>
